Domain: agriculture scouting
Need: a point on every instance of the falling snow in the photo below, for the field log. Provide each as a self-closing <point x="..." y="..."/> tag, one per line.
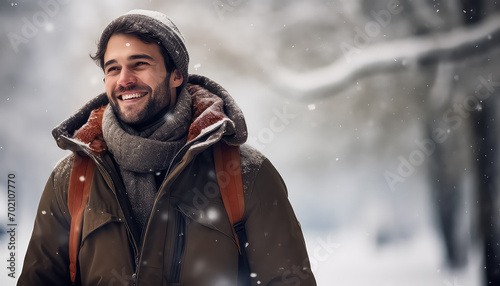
<point x="343" y="186"/>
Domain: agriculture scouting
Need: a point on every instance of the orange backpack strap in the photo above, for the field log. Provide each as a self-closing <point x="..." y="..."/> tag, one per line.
<point x="80" y="180"/>
<point x="228" y="170"/>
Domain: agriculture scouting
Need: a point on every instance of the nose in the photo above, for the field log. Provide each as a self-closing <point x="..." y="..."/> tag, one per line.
<point x="127" y="77"/>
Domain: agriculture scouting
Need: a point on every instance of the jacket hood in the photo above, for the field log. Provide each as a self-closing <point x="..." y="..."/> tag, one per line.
<point x="229" y="122"/>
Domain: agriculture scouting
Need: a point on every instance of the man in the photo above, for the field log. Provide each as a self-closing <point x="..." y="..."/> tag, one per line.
<point x="154" y="214"/>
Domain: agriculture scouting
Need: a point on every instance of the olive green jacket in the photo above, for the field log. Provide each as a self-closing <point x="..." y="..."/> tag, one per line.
<point x="188" y="239"/>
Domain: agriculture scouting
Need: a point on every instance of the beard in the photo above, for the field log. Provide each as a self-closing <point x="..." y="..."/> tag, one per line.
<point x="158" y="104"/>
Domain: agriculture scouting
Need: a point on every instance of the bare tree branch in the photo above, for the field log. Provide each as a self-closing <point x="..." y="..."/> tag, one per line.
<point x="390" y="56"/>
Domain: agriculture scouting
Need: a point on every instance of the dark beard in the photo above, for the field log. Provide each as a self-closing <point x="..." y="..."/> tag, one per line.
<point x="151" y="115"/>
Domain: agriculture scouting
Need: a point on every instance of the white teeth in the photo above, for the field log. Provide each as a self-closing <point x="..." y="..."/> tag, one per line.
<point x="130" y="96"/>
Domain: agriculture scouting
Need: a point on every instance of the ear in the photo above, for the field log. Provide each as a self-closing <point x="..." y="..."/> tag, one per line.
<point x="176" y="78"/>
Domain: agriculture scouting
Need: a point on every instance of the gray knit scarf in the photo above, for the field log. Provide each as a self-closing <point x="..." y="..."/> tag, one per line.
<point x="141" y="155"/>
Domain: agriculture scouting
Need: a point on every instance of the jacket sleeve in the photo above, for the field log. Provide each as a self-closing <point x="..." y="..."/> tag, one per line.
<point x="276" y="249"/>
<point x="46" y="261"/>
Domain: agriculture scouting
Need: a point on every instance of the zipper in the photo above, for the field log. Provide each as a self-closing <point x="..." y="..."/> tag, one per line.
<point x="170" y="168"/>
<point x="179" y="245"/>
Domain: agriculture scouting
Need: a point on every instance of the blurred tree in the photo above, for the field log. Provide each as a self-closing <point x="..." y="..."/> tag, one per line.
<point x="439" y="39"/>
<point x="487" y="130"/>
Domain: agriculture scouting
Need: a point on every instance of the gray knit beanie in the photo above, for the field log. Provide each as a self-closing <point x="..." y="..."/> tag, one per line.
<point x="160" y="26"/>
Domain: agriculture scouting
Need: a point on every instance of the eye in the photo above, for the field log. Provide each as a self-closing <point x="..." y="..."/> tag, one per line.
<point x="137" y="64"/>
<point x="112" y="69"/>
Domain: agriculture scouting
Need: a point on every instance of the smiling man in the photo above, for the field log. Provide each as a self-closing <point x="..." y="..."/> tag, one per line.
<point x="132" y="69"/>
<point x="160" y="188"/>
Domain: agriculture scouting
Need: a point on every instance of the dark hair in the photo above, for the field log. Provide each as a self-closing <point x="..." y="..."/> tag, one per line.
<point x="127" y="28"/>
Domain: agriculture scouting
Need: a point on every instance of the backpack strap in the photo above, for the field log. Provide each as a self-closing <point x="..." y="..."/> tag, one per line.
<point x="228" y="170"/>
<point x="80" y="180"/>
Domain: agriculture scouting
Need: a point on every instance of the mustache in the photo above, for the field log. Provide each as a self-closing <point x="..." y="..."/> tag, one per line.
<point x="134" y="87"/>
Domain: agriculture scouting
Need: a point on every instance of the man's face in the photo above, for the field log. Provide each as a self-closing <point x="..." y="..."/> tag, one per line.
<point x="135" y="79"/>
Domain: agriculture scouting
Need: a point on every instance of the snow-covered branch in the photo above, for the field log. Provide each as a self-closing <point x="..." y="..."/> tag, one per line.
<point x="389" y="56"/>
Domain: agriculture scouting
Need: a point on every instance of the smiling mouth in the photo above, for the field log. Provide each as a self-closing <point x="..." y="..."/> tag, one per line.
<point x="131" y="96"/>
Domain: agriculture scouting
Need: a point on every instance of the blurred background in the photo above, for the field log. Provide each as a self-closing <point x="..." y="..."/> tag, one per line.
<point x="382" y="116"/>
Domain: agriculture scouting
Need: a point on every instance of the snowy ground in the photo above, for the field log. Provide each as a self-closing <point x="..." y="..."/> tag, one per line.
<point x="351" y="259"/>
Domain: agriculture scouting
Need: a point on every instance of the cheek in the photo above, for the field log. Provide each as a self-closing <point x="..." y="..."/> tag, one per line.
<point x="152" y="81"/>
<point x="156" y="77"/>
<point x="109" y="85"/>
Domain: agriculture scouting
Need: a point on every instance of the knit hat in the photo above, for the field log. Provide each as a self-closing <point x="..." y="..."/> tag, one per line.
<point x="158" y="25"/>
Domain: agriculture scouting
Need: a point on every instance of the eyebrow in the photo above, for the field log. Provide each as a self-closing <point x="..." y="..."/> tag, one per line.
<point x="132" y="57"/>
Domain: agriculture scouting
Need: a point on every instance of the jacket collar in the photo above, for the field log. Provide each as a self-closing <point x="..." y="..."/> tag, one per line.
<point x="205" y="130"/>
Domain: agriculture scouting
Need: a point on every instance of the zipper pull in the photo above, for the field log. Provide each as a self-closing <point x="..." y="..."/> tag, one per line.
<point x="134" y="278"/>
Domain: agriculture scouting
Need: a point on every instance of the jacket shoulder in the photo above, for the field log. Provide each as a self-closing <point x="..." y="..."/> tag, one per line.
<point x="253" y="166"/>
<point x="62" y="170"/>
<point x="60" y="177"/>
<point x="251" y="160"/>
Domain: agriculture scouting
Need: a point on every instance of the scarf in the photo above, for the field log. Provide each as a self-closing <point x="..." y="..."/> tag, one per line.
<point x="143" y="155"/>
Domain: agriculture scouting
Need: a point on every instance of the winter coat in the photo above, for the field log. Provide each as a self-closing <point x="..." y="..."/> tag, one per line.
<point x="188" y="239"/>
